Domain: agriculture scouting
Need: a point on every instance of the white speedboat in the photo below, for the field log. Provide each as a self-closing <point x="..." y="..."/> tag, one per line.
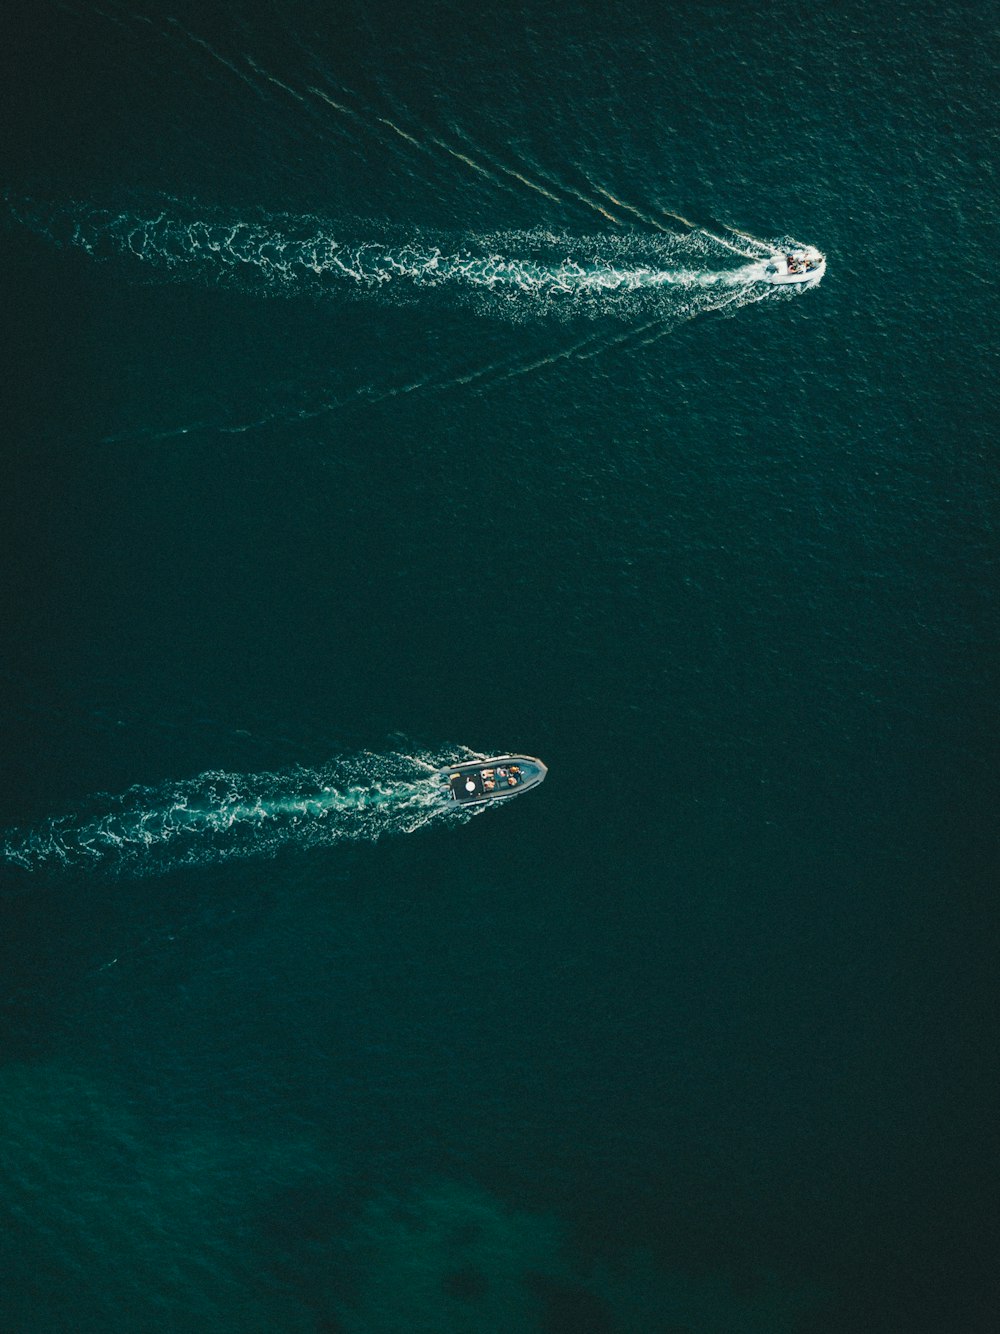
<point x="803" y="264"/>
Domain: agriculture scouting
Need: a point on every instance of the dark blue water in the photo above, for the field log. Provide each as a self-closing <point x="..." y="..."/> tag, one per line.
<point x="387" y="386"/>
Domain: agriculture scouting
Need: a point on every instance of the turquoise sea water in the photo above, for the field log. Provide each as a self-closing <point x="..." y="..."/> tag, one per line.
<point x="388" y="386"/>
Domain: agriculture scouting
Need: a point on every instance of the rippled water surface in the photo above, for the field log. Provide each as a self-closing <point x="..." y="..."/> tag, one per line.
<point x="387" y="388"/>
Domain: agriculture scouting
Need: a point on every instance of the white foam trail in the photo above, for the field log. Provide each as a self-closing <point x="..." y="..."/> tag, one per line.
<point x="528" y="270"/>
<point x="217" y="817"/>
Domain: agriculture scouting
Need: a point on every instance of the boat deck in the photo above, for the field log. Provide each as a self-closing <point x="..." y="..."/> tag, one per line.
<point x="495" y="780"/>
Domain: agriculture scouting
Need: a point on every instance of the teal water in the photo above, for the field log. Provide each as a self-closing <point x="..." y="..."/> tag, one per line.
<point x="386" y="387"/>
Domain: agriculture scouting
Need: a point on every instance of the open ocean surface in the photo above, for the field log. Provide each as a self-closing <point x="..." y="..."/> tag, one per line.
<point x="383" y="385"/>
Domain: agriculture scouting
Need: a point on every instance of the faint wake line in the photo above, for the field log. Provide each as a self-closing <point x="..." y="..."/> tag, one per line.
<point x="369" y="119"/>
<point x="372" y="121"/>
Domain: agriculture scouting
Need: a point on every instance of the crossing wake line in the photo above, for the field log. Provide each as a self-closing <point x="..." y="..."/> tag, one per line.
<point x="218" y="817"/>
<point x="518" y="272"/>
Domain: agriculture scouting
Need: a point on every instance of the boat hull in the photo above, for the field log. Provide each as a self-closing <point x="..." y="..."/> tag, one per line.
<point x="776" y="269"/>
<point x="475" y="782"/>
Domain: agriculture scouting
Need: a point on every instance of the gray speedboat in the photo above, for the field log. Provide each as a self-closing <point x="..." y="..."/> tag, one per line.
<point x="475" y="781"/>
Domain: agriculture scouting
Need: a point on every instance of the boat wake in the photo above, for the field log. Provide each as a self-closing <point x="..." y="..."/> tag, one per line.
<point x="508" y="273"/>
<point x="218" y="817"/>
